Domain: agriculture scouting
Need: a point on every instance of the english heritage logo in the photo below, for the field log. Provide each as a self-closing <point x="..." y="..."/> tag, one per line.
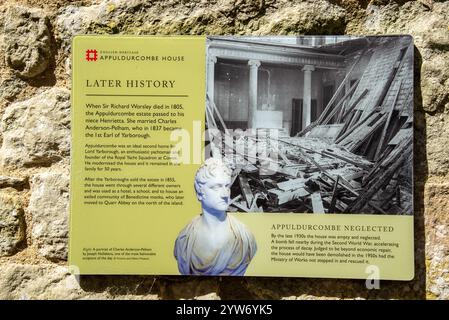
<point x="91" y="55"/>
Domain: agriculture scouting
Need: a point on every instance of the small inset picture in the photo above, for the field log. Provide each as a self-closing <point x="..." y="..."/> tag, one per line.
<point x="214" y="242"/>
<point x="313" y="124"/>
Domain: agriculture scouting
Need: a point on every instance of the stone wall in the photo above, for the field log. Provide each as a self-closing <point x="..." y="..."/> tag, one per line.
<point x="35" y="129"/>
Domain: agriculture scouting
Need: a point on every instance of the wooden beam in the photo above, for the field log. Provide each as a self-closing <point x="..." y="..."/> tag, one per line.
<point x="254" y="207"/>
<point x="336" y="108"/>
<point x="340" y="87"/>
<point x="398" y="196"/>
<point x="347" y="185"/>
<point x="370" y="130"/>
<point x="235" y="199"/>
<point x="310" y="159"/>
<point x="356" y="102"/>
<point x="249" y="168"/>
<point x="387" y="123"/>
<point x="377" y="165"/>
<point x="235" y="174"/>
<point x="291" y="184"/>
<point x="278" y="197"/>
<point x="399" y="136"/>
<point x="353" y="127"/>
<point x="317" y="203"/>
<point x="282" y="155"/>
<point x="383" y="179"/>
<point x="387" y="199"/>
<point x="290" y="171"/>
<point x="209" y="117"/>
<point x="246" y="190"/>
<point x="214" y="108"/>
<point x="241" y="205"/>
<point x="333" y="154"/>
<point x="334" y="196"/>
<point x="377" y="208"/>
<point x="349" y="124"/>
<point x="364" y="149"/>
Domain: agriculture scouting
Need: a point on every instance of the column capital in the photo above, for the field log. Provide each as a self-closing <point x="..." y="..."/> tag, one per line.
<point x="308" y="67"/>
<point x="212" y="59"/>
<point x="254" y="63"/>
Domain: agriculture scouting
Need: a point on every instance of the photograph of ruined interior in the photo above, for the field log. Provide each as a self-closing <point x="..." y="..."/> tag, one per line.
<point x="313" y="124"/>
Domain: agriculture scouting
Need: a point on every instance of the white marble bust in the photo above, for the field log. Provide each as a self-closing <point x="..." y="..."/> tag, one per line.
<point x="214" y="243"/>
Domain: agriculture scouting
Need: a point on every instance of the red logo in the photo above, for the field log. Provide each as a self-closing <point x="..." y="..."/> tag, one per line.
<point x="91" y="55"/>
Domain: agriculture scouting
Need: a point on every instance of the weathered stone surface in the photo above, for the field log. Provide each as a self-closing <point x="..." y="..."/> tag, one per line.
<point x="50" y="281"/>
<point x="204" y="17"/>
<point x="188" y="288"/>
<point x="308" y="17"/>
<point x="435" y="82"/>
<point x="437" y="143"/>
<point x="121" y="287"/>
<point x="48" y="207"/>
<point x="74" y="20"/>
<point x="10" y="88"/>
<point x="437" y="239"/>
<point x="36" y="132"/>
<point x="16" y="183"/>
<point x="20" y="281"/>
<point x="209" y="296"/>
<point x="12" y="222"/>
<point x="27" y="41"/>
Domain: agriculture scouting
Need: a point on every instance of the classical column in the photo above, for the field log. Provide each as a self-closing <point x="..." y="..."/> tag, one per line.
<point x="211" y="60"/>
<point x="307" y="96"/>
<point x="252" y="108"/>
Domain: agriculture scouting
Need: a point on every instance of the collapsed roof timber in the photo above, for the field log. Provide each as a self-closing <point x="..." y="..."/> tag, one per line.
<point x="314" y="124"/>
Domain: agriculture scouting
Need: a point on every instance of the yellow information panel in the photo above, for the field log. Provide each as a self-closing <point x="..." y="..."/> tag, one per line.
<point x="143" y="202"/>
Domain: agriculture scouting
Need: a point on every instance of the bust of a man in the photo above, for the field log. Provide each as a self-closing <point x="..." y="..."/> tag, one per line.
<point x="214" y="243"/>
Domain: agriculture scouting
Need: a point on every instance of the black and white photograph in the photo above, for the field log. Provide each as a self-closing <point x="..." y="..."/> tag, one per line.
<point x="313" y="124"/>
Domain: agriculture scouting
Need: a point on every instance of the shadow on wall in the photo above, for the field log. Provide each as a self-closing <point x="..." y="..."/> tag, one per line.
<point x="177" y="287"/>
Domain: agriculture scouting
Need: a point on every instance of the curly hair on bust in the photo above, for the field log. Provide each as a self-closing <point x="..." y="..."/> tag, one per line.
<point x="209" y="169"/>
